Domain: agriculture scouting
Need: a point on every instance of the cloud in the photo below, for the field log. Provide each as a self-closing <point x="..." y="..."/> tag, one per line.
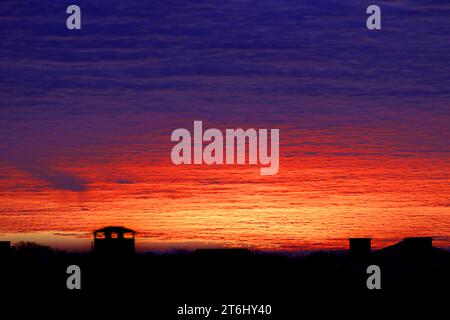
<point x="124" y="181"/>
<point x="60" y="180"/>
<point x="55" y="178"/>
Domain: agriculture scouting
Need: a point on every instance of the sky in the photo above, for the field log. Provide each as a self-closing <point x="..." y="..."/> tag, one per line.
<point x="86" y="117"/>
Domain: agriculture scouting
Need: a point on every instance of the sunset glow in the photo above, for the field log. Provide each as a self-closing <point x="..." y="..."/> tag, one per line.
<point x="86" y="119"/>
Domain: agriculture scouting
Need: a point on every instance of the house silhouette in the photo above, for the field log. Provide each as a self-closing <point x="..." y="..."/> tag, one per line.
<point x="114" y="240"/>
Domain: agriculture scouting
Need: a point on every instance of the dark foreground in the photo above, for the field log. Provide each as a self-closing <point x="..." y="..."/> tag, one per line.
<point x="233" y="284"/>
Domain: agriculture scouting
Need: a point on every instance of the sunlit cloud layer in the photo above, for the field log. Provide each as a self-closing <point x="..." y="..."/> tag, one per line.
<point x="86" y="118"/>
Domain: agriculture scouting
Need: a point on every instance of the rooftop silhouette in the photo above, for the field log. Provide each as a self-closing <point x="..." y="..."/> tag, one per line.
<point x="408" y="266"/>
<point x="114" y="240"/>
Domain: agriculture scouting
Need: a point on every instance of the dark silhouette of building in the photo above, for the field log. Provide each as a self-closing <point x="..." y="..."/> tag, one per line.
<point x="359" y="248"/>
<point x="114" y="240"/>
<point x="410" y="262"/>
<point x="352" y="268"/>
<point x="419" y="246"/>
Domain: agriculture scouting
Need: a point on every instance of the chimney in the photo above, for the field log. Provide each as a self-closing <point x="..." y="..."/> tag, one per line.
<point x="359" y="248"/>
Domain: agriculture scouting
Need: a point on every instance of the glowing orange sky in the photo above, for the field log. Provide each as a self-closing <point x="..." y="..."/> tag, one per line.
<point x="86" y="118"/>
<point x="315" y="201"/>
